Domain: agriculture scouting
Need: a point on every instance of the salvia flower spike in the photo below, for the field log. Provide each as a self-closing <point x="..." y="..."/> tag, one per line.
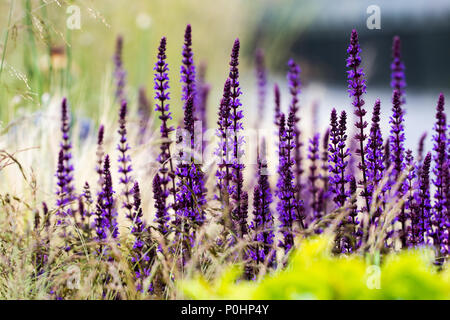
<point x="356" y="89"/>
<point x="187" y="65"/>
<point x="397" y="136"/>
<point x="162" y="97"/>
<point x="142" y="250"/>
<point x="423" y="200"/>
<point x="338" y="154"/>
<point x="239" y="213"/>
<point x="225" y="145"/>
<point x="124" y="159"/>
<point x="287" y="207"/>
<point x="161" y="216"/>
<point x="294" y="89"/>
<point x="262" y="224"/>
<point x="64" y="174"/>
<point x="398" y="81"/>
<point x="100" y="153"/>
<point x="313" y="156"/>
<point x="106" y="214"/>
<point x="440" y="157"/>
<point x="374" y="152"/>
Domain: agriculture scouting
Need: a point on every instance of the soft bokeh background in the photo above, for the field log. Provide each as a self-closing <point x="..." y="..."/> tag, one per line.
<point x="314" y="33"/>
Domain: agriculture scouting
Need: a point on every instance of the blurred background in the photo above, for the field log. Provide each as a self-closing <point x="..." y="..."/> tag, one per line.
<point x="41" y="56"/>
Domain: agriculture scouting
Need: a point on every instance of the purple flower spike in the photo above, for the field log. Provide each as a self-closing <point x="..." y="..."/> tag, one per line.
<point x="100" y="153"/>
<point x="142" y="253"/>
<point x="124" y="159"/>
<point x="374" y="151"/>
<point x="324" y="192"/>
<point x="119" y="72"/>
<point x="440" y="210"/>
<point x="162" y="107"/>
<point x="313" y="156"/>
<point x="411" y="210"/>
<point x="356" y="89"/>
<point x="423" y="200"/>
<point x="398" y="69"/>
<point x="191" y="190"/>
<point x="225" y="146"/>
<point x="287" y="207"/>
<point x="187" y="66"/>
<point x="397" y="136"/>
<point x="337" y="158"/>
<point x="106" y="214"/>
<point x="294" y="88"/>
<point x="162" y="216"/>
<point x="61" y="193"/>
<point x="64" y="174"/>
<point x="262" y="224"/>
<point x="239" y="214"/>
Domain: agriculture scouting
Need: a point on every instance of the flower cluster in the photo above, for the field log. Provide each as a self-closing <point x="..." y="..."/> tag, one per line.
<point x="390" y="195"/>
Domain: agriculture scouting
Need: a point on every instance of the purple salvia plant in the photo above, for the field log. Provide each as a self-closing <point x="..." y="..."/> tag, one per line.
<point x="294" y="89"/>
<point x="397" y="139"/>
<point x="124" y="160"/>
<point x="440" y="157"/>
<point x="423" y="200"/>
<point x="398" y="69"/>
<point x="119" y="72"/>
<point x="355" y="243"/>
<point x="374" y="152"/>
<point x="313" y="156"/>
<point x="239" y="214"/>
<point x="287" y="206"/>
<point x="324" y="192"/>
<point x="62" y="200"/>
<point x="262" y="225"/>
<point x="387" y="154"/>
<point x="420" y="151"/>
<point x="86" y="199"/>
<point x="64" y="173"/>
<point x="162" y="107"/>
<point x="356" y="89"/>
<point x="188" y="66"/>
<point x="191" y="190"/>
<point x="225" y="146"/>
<point x="66" y="146"/>
<point x="161" y="215"/>
<point x="421" y="147"/>
<point x="337" y="158"/>
<point x="397" y="136"/>
<point x="411" y="211"/>
<point x="142" y="251"/>
<point x="106" y="214"/>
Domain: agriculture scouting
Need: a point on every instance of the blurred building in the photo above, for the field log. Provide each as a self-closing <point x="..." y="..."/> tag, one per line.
<point x="316" y="33"/>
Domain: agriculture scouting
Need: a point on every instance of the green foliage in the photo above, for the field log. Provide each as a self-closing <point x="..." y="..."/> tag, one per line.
<point x="314" y="273"/>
